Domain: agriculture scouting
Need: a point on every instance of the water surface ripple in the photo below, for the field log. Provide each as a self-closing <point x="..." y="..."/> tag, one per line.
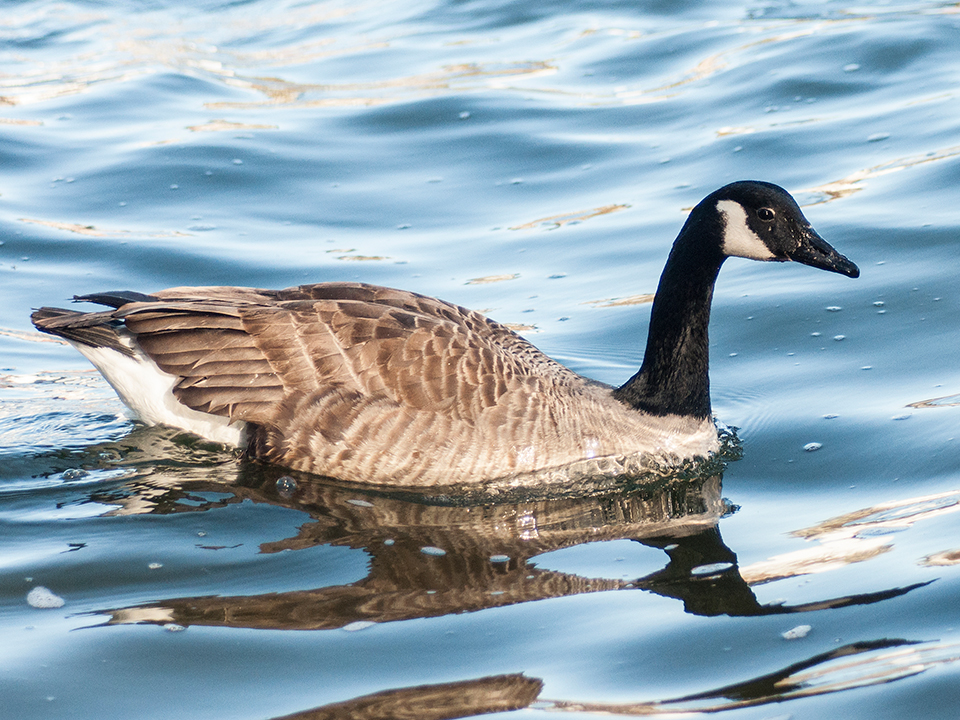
<point x="533" y="161"/>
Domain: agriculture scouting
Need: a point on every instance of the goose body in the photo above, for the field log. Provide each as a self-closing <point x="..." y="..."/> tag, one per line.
<point x="376" y="385"/>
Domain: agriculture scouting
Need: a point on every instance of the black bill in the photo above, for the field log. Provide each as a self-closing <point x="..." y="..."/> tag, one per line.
<point x="817" y="252"/>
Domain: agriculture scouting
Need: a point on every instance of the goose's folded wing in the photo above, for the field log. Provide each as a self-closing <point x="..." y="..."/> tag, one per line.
<point x="242" y="359"/>
<point x="220" y="368"/>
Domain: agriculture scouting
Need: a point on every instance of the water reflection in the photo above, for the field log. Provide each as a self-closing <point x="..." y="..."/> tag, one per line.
<point x="498" y="693"/>
<point x="133" y="46"/>
<point x="945" y="401"/>
<point x="441" y="555"/>
<point x="855" y="665"/>
<point x="432" y="556"/>
<point x="855" y="182"/>
<point x="557" y="221"/>
<point x="856" y="536"/>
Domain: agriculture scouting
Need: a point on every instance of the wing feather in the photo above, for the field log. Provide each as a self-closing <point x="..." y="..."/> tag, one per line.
<point x="242" y="352"/>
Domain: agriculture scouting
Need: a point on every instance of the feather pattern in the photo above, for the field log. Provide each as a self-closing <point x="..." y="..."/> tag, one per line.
<point x="380" y="385"/>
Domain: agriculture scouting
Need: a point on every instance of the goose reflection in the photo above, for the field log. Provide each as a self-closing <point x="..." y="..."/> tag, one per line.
<point x="441" y="555"/>
<point x="445" y="701"/>
<point x="851" y="666"/>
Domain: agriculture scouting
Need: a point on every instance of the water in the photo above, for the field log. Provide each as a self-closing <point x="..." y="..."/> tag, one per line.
<point x="535" y="162"/>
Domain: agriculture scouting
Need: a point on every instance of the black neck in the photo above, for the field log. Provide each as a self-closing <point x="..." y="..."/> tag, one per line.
<point x="674" y="378"/>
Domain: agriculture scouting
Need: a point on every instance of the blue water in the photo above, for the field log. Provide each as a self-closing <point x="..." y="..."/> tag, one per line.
<point x="533" y="161"/>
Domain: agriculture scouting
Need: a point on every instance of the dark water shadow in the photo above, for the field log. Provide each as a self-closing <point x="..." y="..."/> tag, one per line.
<point x="851" y="666"/>
<point x="441" y="554"/>
<point x="497" y="693"/>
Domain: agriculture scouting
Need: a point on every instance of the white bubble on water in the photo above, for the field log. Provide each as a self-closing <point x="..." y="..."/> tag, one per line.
<point x="286" y="486"/>
<point x="41" y="597"/>
<point x="800" y="631"/>
<point x="358" y="625"/>
<point x="711" y="569"/>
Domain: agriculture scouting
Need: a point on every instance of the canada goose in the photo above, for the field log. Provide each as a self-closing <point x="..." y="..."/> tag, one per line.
<point x="375" y="385"/>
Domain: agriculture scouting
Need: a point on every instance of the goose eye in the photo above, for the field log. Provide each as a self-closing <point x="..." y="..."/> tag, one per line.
<point x="766" y="214"/>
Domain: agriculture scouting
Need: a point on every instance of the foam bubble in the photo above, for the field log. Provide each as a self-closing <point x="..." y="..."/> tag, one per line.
<point x="41" y="597"/>
<point x="800" y="631"/>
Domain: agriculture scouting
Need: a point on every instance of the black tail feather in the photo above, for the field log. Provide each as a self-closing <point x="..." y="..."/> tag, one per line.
<point x="114" y="298"/>
<point x="98" y="330"/>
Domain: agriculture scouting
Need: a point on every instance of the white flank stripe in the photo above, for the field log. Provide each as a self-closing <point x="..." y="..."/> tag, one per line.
<point x="148" y="392"/>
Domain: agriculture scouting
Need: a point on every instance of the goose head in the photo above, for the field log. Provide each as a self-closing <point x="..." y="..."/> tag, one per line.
<point x="761" y="221"/>
<point x="749" y="219"/>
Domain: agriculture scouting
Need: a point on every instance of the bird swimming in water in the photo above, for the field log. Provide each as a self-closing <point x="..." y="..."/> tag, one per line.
<point x="381" y="386"/>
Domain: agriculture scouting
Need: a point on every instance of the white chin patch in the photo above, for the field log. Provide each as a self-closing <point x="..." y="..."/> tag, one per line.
<point x="738" y="239"/>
